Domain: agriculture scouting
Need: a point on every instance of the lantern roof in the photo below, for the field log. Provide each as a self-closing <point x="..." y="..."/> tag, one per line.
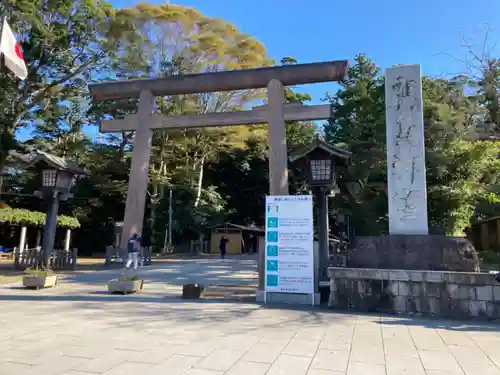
<point x="340" y="156"/>
<point x="55" y="162"/>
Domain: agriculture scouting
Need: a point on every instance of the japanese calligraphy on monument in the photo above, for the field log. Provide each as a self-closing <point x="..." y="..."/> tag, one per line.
<point x="407" y="190"/>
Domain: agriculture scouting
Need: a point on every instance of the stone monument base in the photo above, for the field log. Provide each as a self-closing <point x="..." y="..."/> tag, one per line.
<point x="414" y="252"/>
<point x="459" y="295"/>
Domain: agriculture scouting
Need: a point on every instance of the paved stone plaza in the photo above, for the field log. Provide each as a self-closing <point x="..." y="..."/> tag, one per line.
<point x="78" y="329"/>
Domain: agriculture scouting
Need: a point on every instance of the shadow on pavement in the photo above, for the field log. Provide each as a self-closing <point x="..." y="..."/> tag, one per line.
<point x="200" y="271"/>
<point x="101" y="296"/>
<point x="173" y="306"/>
<point x="151" y="317"/>
<point x="450" y="325"/>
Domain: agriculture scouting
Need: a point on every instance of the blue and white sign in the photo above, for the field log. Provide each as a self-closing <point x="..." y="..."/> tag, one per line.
<point x="289" y="244"/>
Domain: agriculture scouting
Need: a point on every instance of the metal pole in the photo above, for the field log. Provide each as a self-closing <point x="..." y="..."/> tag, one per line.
<point x="165" y="240"/>
<point x="323" y="232"/>
<point x="1" y="172"/>
<point x="170" y="219"/>
<point x="49" y="231"/>
<point x="3" y="19"/>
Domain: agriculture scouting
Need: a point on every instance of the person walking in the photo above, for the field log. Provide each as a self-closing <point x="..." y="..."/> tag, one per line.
<point x="243" y="248"/>
<point x="133" y="246"/>
<point x="223" y="246"/>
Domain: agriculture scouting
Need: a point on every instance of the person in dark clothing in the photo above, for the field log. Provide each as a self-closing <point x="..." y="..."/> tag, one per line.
<point x="243" y="249"/>
<point x="223" y="246"/>
<point x="133" y="246"/>
<point x="253" y="243"/>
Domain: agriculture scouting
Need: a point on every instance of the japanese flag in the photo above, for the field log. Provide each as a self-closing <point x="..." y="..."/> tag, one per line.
<point x="12" y="52"/>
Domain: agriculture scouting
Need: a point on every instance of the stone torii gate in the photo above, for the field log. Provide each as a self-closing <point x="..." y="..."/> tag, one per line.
<point x="275" y="113"/>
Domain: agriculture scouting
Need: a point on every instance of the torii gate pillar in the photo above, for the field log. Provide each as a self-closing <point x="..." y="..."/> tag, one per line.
<point x="274" y="78"/>
<point x="139" y="169"/>
<point x="278" y="159"/>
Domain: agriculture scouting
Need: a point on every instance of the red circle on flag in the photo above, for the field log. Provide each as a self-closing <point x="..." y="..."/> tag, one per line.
<point x="19" y="52"/>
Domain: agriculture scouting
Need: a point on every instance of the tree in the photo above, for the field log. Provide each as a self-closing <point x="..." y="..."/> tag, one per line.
<point x="241" y="177"/>
<point x="62" y="42"/>
<point x="99" y="200"/>
<point x="65" y="49"/>
<point x="60" y="131"/>
<point x="244" y="165"/>
<point x="358" y="125"/>
<point x="483" y="82"/>
<point x="297" y="132"/>
<point x="460" y="173"/>
<point x="177" y="40"/>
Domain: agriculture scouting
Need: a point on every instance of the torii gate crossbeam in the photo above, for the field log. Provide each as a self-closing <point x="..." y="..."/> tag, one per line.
<point x="275" y="114"/>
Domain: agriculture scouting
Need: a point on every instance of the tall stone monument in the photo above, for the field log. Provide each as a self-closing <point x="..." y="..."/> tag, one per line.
<point x="409" y="245"/>
<point x="406" y="185"/>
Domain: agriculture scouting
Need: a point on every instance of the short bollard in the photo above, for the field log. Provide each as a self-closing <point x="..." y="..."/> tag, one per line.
<point x="125" y="285"/>
<point x="192" y="291"/>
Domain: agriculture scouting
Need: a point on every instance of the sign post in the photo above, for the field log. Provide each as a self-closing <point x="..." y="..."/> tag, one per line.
<point x="289" y="260"/>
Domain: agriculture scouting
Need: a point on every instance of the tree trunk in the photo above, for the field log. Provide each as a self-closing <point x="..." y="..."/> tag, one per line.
<point x="199" y="185"/>
<point x="154" y="205"/>
<point x="123" y="144"/>
<point x="6" y="144"/>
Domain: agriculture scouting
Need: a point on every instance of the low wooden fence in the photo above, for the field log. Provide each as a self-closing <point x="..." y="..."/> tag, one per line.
<point x="59" y="259"/>
<point x="117" y="255"/>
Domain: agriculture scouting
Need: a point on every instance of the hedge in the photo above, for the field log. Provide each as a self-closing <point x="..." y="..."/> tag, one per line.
<point x="23" y="217"/>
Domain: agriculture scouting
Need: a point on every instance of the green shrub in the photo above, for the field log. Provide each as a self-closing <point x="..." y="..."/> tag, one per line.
<point x="23" y="217"/>
<point x="490" y="257"/>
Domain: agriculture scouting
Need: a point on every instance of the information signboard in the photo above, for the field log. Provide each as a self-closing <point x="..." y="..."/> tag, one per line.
<point x="289" y="244"/>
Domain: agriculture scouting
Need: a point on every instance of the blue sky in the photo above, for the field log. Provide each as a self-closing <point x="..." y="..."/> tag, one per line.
<point x="389" y="31"/>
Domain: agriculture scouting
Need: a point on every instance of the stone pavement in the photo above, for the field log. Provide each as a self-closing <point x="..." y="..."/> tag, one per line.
<point x="78" y="329"/>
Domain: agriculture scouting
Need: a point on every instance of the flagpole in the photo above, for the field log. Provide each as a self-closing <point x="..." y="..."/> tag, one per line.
<point x="2" y="18"/>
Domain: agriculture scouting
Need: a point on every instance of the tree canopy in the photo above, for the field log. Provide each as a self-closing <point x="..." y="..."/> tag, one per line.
<point x="461" y="172"/>
<point x="218" y="174"/>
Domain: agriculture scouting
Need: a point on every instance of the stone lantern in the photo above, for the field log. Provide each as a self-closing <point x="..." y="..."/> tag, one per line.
<point x="57" y="177"/>
<point x="319" y="162"/>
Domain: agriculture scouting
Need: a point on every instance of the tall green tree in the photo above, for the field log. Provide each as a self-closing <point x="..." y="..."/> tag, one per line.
<point x="358" y="125"/>
<point x="61" y="131"/>
<point x="177" y="40"/>
<point x="62" y="42"/>
<point x="298" y="133"/>
<point x="460" y="173"/>
<point x="241" y="171"/>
